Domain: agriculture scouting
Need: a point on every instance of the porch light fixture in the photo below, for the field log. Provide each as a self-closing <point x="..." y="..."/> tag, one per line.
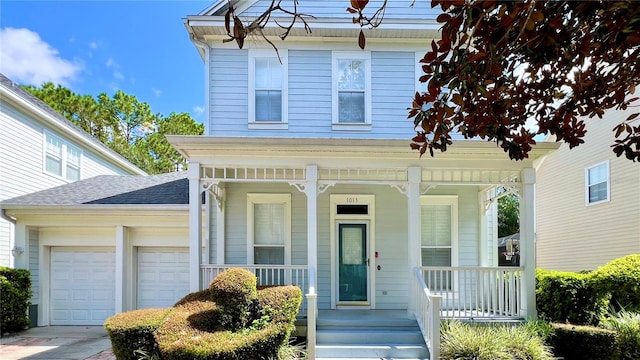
<point x="17" y="250"/>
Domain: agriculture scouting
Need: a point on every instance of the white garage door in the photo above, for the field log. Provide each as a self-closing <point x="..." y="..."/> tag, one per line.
<point x="163" y="276"/>
<point x="82" y="285"/>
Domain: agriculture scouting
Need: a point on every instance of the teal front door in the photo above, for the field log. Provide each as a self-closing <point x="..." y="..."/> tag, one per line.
<point x="353" y="263"/>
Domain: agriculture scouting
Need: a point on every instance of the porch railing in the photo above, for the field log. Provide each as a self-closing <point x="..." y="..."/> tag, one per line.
<point x="476" y="292"/>
<point x="267" y="275"/>
<point x="428" y="315"/>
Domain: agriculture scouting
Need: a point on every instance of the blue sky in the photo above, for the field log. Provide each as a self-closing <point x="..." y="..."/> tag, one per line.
<point x="139" y="47"/>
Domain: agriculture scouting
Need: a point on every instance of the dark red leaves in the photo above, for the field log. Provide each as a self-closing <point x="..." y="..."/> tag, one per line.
<point x="500" y="65"/>
<point x="361" y="40"/>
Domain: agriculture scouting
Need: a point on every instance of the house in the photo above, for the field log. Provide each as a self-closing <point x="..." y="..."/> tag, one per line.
<point x="309" y="179"/>
<point x="40" y="149"/>
<point x="305" y="176"/>
<point x="588" y="201"/>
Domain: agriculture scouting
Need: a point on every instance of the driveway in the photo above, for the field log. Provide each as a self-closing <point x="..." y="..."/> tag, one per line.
<point x="58" y="343"/>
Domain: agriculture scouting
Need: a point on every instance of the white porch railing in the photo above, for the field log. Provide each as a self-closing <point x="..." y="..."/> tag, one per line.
<point x="476" y="292"/>
<point x="267" y="275"/>
<point x="428" y="315"/>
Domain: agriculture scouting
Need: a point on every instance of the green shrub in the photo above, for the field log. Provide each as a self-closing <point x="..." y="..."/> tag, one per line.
<point x="234" y="290"/>
<point x="184" y="335"/>
<point x="574" y="342"/>
<point x="15" y="292"/>
<point x="133" y="331"/>
<point x="283" y="300"/>
<point x="627" y="325"/>
<point x="202" y="295"/>
<point x="461" y="341"/>
<point x="569" y="297"/>
<point x="621" y="277"/>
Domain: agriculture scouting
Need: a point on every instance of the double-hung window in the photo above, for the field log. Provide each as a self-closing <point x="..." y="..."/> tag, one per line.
<point x="439" y="237"/>
<point x="61" y="159"/>
<point x="269" y="229"/>
<point x="597" y="183"/>
<point x="268" y="89"/>
<point x="351" y="90"/>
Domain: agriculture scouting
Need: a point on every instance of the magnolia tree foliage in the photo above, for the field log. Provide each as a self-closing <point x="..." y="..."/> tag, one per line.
<point x="501" y="65"/>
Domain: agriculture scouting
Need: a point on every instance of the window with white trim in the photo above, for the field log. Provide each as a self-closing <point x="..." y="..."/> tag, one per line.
<point x="597" y="183"/>
<point x="61" y="159"/>
<point x="268" y="89"/>
<point x="269" y="229"/>
<point x="351" y="90"/>
<point x="439" y="237"/>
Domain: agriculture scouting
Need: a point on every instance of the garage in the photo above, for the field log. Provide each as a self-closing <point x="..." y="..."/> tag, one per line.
<point x="163" y="276"/>
<point x="82" y="285"/>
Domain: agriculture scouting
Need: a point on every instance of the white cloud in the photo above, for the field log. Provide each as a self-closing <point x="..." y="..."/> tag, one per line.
<point x="198" y="110"/>
<point x="157" y="92"/>
<point x="118" y="75"/>
<point x="93" y="45"/>
<point x="111" y="63"/>
<point x="26" y="58"/>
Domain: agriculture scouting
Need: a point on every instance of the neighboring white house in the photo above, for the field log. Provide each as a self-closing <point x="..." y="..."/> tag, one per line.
<point x="588" y="201"/>
<point x="40" y="149"/>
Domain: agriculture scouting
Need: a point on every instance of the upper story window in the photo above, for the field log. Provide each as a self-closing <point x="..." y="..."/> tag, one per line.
<point x="61" y="158"/>
<point x="268" y="89"/>
<point x="269" y="229"/>
<point x="597" y="183"/>
<point x="351" y="90"/>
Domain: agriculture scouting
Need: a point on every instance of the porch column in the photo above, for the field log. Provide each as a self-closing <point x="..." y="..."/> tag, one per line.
<point x="527" y="245"/>
<point x="311" y="191"/>
<point x="21" y="259"/>
<point x="121" y="268"/>
<point x="414" y="177"/>
<point x="220" y="231"/>
<point x="482" y="224"/>
<point x="195" y="227"/>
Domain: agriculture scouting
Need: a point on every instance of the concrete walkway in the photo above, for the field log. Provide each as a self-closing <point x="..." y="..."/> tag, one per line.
<point x="58" y="343"/>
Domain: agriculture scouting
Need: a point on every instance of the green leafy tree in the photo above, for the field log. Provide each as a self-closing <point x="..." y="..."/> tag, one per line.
<point x="124" y="124"/>
<point x="501" y="64"/>
<point x="508" y="215"/>
<point x="167" y="159"/>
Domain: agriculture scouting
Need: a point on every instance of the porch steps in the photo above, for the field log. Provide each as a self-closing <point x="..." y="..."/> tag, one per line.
<point x="368" y="334"/>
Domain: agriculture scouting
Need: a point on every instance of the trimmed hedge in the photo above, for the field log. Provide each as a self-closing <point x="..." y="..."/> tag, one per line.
<point x="134" y="330"/>
<point x="621" y="278"/>
<point x="15" y="292"/>
<point x="569" y="297"/>
<point x="234" y="290"/>
<point x="573" y="342"/>
<point x="184" y="336"/>
<point x="197" y="327"/>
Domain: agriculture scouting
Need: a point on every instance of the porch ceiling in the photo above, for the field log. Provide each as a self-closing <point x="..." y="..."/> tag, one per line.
<point x="348" y="153"/>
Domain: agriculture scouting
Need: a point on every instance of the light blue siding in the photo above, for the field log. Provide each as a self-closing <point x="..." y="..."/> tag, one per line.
<point x="229" y="92"/>
<point x="236" y="221"/>
<point x="421" y="9"/>
<point x="310" y="97"/>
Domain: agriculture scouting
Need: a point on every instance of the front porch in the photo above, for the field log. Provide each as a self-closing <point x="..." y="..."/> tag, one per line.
<point x="362" y="225"/>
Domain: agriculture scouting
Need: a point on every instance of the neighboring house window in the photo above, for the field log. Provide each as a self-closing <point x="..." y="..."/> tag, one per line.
<point x="439" y="237"/>
<point x="268" y="89"/>
<point x="351" y="90"/>
<point x="61" y="159"/>
<point x="269" y="229"/>
<point x="597" y="183"/>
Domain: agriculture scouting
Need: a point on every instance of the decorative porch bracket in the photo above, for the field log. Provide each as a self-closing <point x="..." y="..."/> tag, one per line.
<point x="508" y="190"/>
<point x="216" y="190"/>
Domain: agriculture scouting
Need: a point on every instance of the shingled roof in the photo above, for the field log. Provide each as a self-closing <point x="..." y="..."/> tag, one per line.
<point x="165" y="189"/>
